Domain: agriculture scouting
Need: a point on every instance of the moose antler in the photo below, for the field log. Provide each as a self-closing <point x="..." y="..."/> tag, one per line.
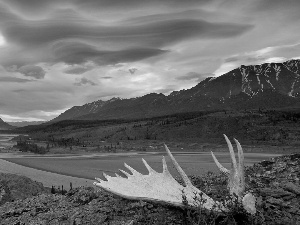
<point x="236" y="176"/>
<point x="162" y="187"/>
<point x="159" y="187"/>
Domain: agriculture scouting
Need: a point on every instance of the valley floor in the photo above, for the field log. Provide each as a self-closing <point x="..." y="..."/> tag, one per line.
<point x="81" y="169"/>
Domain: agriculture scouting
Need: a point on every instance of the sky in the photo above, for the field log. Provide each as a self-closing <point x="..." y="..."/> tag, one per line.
<point x="55" y="54"/>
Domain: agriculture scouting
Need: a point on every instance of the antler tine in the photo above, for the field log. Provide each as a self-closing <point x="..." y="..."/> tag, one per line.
<point x="149" y="168"/>
<point x="183" y="175"/>
<point x="133" y="171"/>
<point x="166" y="171"/>
<point x="125" y="173"/>
<point x="233" y="160"/>
<point x="240" y="155"/>
<point x="165" y="167"/>
<point x="241" y="164"/>
<point x="107" y="177"/>
<point x="219" y="165"/>
<point x="98" y="179"/>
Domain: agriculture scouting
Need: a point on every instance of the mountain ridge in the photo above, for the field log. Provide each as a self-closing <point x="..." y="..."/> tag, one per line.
<point x="271" y="85"/>
<point x="5" y="126"/>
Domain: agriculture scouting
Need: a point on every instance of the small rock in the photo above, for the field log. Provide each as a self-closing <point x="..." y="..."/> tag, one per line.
<point x="275" y="201"/>
<point x="289" y="197"/>
<point x="291" y="188"/>
<point x="249" y="203"/>
<point x="294" y="210"/>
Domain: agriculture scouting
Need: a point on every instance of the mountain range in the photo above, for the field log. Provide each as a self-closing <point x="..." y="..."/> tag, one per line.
<point x="269" y="85"/>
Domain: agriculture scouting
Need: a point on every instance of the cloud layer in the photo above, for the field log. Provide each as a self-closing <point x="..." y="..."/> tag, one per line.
<point x="60" y="53"/>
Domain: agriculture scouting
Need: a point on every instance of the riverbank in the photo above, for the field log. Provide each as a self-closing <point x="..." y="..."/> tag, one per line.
<point x="47" y="178"/>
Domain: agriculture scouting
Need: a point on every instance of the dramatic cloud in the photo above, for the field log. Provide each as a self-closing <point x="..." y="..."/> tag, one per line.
<point x="78" y="53"/>
<point x="130" y="48"/>
<point x="108" y="8"/>
<point x="158" y="34"/>
<point x="72" y="37"/>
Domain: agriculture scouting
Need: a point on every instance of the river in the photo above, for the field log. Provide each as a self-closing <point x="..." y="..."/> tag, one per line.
<point x="88" y="166"/>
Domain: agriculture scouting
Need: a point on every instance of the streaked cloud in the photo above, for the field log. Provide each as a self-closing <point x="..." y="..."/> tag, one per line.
<point x="77" y="70"/>
<point x="194" y="76"/>
<point x="270" y="54"/>
<point x="77" y="39"/>
<point x="14" y="79"/>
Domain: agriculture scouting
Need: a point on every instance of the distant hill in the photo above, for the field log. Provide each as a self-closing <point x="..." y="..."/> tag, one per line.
<point x="25" y="123"/>
<point x="5" y="126"/>
<point x="270" y="85"/>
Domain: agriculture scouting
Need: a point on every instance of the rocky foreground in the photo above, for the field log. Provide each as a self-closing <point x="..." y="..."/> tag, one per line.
<point x="275" y="183"/>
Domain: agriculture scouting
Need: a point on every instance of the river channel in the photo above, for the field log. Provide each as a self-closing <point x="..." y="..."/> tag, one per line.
<point x="88" y="166"/>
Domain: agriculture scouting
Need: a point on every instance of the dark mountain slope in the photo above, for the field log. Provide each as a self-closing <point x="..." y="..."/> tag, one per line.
<point x="5" y="126"/>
